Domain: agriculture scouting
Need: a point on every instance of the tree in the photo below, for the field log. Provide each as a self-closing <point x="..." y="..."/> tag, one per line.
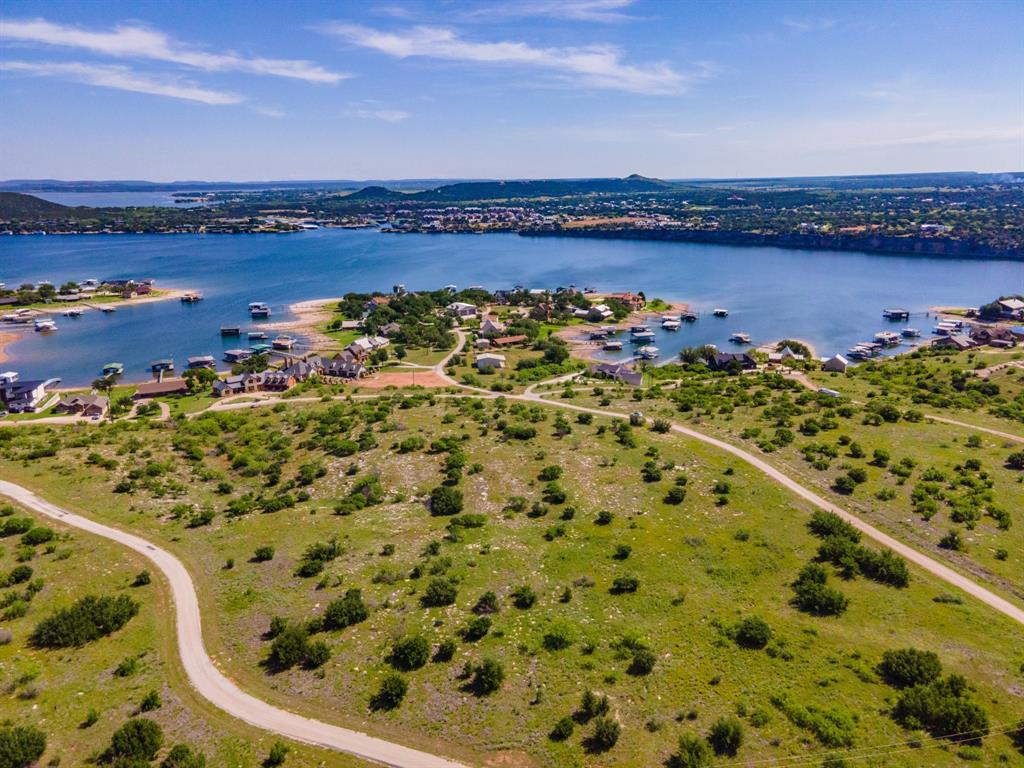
<point x="953" y="540"/>
<point x="488" y="603"/>
<point x="440" y="591"/>
<point x="445" y="500"/>
<point x="21" y="746"/>
<point x="346" y="611"/>
<point x="318" y="654"/>
<point x="182" y="756"/>
<point x="150" y="701"/>
<point x="693" y="752"/>
<point x="289" y="647"/>
<point x="278" y="753"/>
<point x="263" y="554"/>
<point x="624" y="584"/>
<point x="90" y="618"/>
<point x="488" y="676"/>
<point x="391" y="692"/>
<point x="644" y="660"/>
<point x="524" y="597"/>
<point x="563" y="729"/>
<point x="726" y="736"/>
<point x="605" y="735"/>
<point x="1015" y="460"/>
<point x="138" y="739"/>
<point x="411" y="652"/>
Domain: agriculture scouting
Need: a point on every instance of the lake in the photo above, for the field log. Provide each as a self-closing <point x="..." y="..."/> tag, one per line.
<point x="114" y="199"/>
<point x="830" y="299"/>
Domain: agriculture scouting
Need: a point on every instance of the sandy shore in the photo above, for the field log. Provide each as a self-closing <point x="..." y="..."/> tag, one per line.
<point x="7" y="337"/>
<point x="310" y="316"/>
<point x="87" y="305"/>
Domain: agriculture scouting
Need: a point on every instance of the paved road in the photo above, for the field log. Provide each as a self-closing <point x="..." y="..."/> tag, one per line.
<point x="208" y="680"/>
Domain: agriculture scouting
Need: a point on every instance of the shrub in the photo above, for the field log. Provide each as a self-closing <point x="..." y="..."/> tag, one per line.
<point x="726" y="736"/>
<point x="19" y="574"/>
<point x="523" y="597"/>
<point x="346" y="611"/>
<point x="391" y="692"/>
<point x="182" y="756"/>
<point x="410" y="652"/>
<point x="138" y="739"/>
<point x="605" y="735"/>
<point x="290" y="647"/>
<point x="488" y="603"/>
<point x="825" y="524"/>
<point x="150" y="702"/>
<point x="558" y="637"/>
<point x="592" y="706"/>
<point x="643" y="662"/>
<point x="86" y="620"/>
<point x="38" y="535"/>
<point x="563" y="729"/>
<point x="445" y="500"/>
<point x="318" y="654"/>
<point x="812" y="594"/>
<point x="675" y="495"/>
<point x="142" y="578"/>
<point x="753" y="632"/>
<point x="445" y="650"/>
<point x="834" y="727"/>
<point x="440" y="591"/>
<point x="952" y="540"/>
<point x="21" y="746"/>
<point x="488" y="676"/>
<point x="622" y="551"/>
<point x="263" y="554"/>
<point x="549" y="473"/>
<point x="604" y="517"/>
<point x="943" y="708"/>
<point x="278" y="752"/>
<point x="624" y="584"/>
<point x="908" y="666"/>
<point x="477" y="628"/>
<point x="693" y="752"/>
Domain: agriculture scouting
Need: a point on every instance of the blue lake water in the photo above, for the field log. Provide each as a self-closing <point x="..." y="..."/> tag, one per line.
<point x="114" y="199"/>
<point x="830" y="299"/>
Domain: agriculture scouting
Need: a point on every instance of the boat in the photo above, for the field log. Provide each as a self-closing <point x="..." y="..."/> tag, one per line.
<point x="896" y="314"/>
<point x="887" y="338"/>
<point x="283" y="342"/>
<point x="719" y="312"/>
<point x="740" y="338"/>
<point x="236" y="355"/>
<point x="598" y="335"/>
<point x="671" y="323"/>
<point x="113" y="369"/>
<point x="641" y="337"/>
<point x="108" y="310"/>
<point x="75" y="312"/>
<point x="864" y="349"/>
<point x="230" y="330"/>
<point x="45" y="325"/>
<point x="191" y="298"/>
<point x="259" y="349"/>
<point x="648" y="352"/>
<point x="689" y="317"/>
<point x="910" y="333"/>
<point x="610" y="329"/>
<point x="259" y="309"/>
<point x="257" y="334"/>
<point x="612" y="346"/>
<point x="640" y="329"/>
<point x="160" y="366"/>
<point x="201" y="361"/>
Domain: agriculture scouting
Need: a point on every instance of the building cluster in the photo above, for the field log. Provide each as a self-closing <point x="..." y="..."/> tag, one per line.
<point x="465" y="219"/>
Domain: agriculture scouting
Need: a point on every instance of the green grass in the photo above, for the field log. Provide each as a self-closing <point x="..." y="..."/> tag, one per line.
<point x="702" y="567"/>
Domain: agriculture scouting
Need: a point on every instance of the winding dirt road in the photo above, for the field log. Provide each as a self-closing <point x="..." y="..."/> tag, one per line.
<point x="209" y="681"/>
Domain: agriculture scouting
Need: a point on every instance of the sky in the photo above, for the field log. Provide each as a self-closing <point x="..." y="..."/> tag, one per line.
<point x="405" y="89"/>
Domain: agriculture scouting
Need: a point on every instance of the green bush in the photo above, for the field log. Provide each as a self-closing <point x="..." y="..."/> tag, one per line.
<point x="142" y="578"/>
<point x="605" y="735"/>
<point x="21" y="746"/>
<point x="38" y="535"/>
<point x="90" y="618"/>
<point x="623" y="584"/>
<point x="278" y="752"/>
<point x="263" y="554"/>
<point x="523" y="597"/>
<point x="440" y="591"/>
<point x="346" y="611"/>
<point x="488" y="676"/>
<point x="410" y="652"/>
<point x="182" y="756"/>
<point x="317" y="654"/>
<point x="476" y="629"/>
<point x="445" y="500"/>
<point x="150" y="702"/>
<point x="753" y="632"/>
<point x="943" y="708"/>
<point x="138" y="739"/>
<point x="488" y="603"/>
<point x="693" y="752"/>
<point x="907" y="667"/>
<point x="393" y="688"/>
<point x="812" y="595"/>
<point x="563" y="729"/>
<point x="289" y="648"/>
<point x="726" y="736"/>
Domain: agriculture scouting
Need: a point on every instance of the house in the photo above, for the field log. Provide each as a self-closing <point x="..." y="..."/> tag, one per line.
<point x="836" y="364"/>
<point x="993" y="336"/>
<point x="92" y="406"/>
<point x="237" y="385"/>
<point x="599" y="312"/>
<point x="508" y="341"/>
<point x="461" y="309"/>
<point x="618" y="372"/>
<point x="391" y="329"/>
<point x="490" y="360"/>
<point x="236" y="355"/>
<point x="201" y="361"/>
<point x="362" y="347"/>
<point x="277" y="381"/>
<point x="482" y="344"/>
<point x="491" y="327"/>
<point x="351" y="325"/>
<point x="23" y="396"/>
<point x="1011" y="307"/>
<point x="721" y="361"/>
<point x="345" y="366"/>
<point x="161" y="388"/>
<point x="376" y="301"/>
<point x="632" y="300"/>
<point x="784" y="355"/>
<point x="303" y="370"/>
<point x="956" y="341"/>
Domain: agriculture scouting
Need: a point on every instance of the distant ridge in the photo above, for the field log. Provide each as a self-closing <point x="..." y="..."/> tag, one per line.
<point x="15" y="205"/>
<point x="502" y="190"/>
<point x="376" y="193"/>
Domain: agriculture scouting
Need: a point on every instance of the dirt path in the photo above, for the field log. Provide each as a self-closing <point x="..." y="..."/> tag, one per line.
<point x="208" y="681"/>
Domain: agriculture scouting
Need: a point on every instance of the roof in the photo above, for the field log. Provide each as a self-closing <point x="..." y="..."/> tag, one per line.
<point x="490" y="356"/>
<point x="154" y="388"/>
<point x="84" y="401"/>
<point x="618" y="371"/>
<point x="510" y="339"/>
<point x="1014" y="304"/>
<point x="839" y="358"/>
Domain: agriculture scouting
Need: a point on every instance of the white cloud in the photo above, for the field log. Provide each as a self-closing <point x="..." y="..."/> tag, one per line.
<point x="955" y="136"/>
<point x="605" y="11"/>
<point x="378" y="113"/>
<point x="810" y="25"/>
<point x="123" y="79"/>
<point x="595" y="66"/>
<point x="268" y="111"/>
<point x="673" y="134"/>
<point x="134" y="41"/>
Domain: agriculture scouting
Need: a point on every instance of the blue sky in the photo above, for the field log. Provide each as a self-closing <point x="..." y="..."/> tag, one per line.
<point x="535" y="88"/>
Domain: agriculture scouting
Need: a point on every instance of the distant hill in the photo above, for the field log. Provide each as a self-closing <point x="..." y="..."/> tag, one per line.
<point x="375" y="193"/>
<point x="502" y="190"/>
<point x="14" y="205"/>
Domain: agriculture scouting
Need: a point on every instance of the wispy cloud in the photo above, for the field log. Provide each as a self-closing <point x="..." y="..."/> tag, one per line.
<point x="809" y="25"/>
<point x="673" y="134"/>
<point x="269" y="112"/>
<point x="135" y="41"/>
<point x="370" y="112"/>
<point x="603" y="11"/>
<point x="594" y="66"/>
<point x="123" y="79"/>
<point x="955" y="136"/>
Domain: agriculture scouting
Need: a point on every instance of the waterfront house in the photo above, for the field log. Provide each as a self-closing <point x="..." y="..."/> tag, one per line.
<point x="461" y="309"/>
<point x="237" y="385"/>
<point x="303" y="370"/>
<point x="722" y="361"/>
<point x="345" y="366"/>
<point x="490" y="360"/>
<point x="362" y="347"/>
<point x="633" y="301"/>
<point x="23" y="396"/>
<point x="236" y="355"/>
<point x="784" y="355"/>
<point x="1011" y="307"/>
<point x="955" y="341"/>
<point x="618" y="372"/>
<point x="508" y="341"/>
<point x="599" y="312"/>
<point x="993" y="336"/>
<point x="91" y="406"/>
<point x="835" y="364"/>
<point x="277" y="381"/>
<point x="491" y="327"/>
<point x="161" y="388"/>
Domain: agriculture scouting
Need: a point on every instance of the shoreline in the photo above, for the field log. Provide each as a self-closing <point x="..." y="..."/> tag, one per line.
<point x="310" y="315"/>
<point x="87" y="304"/>
<point x="586" y="350"/>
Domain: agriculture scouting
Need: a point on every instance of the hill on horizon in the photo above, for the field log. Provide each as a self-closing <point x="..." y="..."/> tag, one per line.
<point x="15" y="205"/>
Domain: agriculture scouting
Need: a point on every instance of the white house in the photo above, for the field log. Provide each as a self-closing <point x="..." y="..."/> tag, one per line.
<point x="23" y="396"/>
<point x="600" y="312"/>
<point x="491" y="327"/>
<point x="490" y="360"/>
<point x="1011" y="307"/>
<point x="462" y="309"/>
<point x="784" y="355"/>
<point x="836" y="363"/>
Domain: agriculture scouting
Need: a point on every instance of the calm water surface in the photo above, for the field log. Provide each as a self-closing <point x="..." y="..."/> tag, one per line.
<point x="830" y="299"/>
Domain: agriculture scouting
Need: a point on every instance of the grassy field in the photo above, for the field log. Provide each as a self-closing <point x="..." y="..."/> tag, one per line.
<point x="57" y="690"/>
<point x="701" y="566"/>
